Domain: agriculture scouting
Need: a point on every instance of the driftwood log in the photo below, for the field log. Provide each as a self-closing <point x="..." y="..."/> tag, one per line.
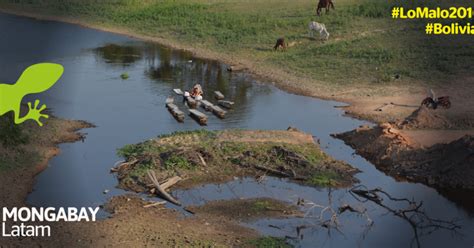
<point x="200" y="117"/>
<point x="191" y="102"/>
<point x="161" y="192"/>
<point x="154" y="204"/>
<point x="178" y="91"/>
<point x="218" y="111"/>
<point x="206" y="105"/>
<point x="219" y="95"/>
<point x="226" y="104"/>
<point x="124" y="165"/>
<point x="170" y="182"/>
<point x="175" y="111"/>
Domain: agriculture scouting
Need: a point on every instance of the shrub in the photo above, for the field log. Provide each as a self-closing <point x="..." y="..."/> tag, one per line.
<point x="11" y="135"/>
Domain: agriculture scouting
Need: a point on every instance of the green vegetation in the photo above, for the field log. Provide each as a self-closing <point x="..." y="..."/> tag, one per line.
<point x="28" y="144"/>
<point x="266" y="242"/>
<point x="175" y="162"/>
<point x="214" y="156"/>
<point x="11" y="135"/>
<point x="140" y="170"/>
<point x="12" y="139"/>
<point x="201" y="132"/>
<point x="124" y="76"/>
<point x="324" y="179"/>
<point x="262" y="205"/>
<point x="365" y="46"/>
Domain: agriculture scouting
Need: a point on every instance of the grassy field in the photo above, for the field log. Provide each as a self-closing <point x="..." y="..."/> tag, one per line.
<point x="366" y="46"/>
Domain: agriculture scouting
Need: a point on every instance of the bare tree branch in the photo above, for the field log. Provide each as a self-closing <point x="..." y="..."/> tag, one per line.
<point x="420" y="222"/>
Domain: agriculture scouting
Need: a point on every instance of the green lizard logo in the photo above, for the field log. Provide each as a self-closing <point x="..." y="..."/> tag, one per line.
<point x="35" y="79"/>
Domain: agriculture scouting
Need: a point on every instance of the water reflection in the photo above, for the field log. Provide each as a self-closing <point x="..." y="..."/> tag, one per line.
<point x="177" y="69"/>
<point x="161" y="65"/>
<point x="121" y="55"/>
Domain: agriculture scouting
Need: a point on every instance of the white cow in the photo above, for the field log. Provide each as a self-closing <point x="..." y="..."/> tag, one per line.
<point x="318" y="27"/>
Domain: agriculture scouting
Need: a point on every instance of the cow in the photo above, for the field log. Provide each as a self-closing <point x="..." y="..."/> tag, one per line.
<point x="320" y="28"/>
<point x="324" y="4"/>
<point x="280" y="43"/>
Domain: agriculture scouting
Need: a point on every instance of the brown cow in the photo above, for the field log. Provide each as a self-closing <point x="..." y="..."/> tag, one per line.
<point x="280" y="43"/>
<point x="324" y="4"/>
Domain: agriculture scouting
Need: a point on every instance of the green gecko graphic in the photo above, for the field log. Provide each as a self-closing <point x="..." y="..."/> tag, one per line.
<point x="35" y="79"/>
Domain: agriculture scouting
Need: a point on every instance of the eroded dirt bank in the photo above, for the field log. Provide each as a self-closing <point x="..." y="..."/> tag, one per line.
<point x="392" y="150"/>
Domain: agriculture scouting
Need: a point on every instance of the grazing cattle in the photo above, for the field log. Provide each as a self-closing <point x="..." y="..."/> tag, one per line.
<point x="280" y="43"/>
<point x="324" y="4"/>
<point x="320" y="28"/>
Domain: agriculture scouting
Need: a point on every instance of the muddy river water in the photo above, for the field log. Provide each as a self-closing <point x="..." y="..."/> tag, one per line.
<point x="132" y="110"/>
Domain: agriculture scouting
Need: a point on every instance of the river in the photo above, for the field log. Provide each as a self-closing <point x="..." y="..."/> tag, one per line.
<point x="132" y="110"/>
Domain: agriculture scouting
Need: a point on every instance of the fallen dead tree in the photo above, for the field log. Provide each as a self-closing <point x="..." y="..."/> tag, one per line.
<point x="414" y="215"/>
<point x="422" y="224"/>
<point x="124" y="165"/>
<point x="331" y="221"/>
<point x="170" y="182"/>
<point x="161" y="192"/>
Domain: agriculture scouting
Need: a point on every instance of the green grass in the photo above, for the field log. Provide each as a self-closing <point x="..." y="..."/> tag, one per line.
<point x="177" y="162"/>
<point x="200" y="132"/>
<point x="267" y="242"/>
<point x="13" y="138"/>
<point x="141" y="170"/>
<point x="366" y="45"/>
<point x="132" y="150"/>
<point x="324" y="179"/>
<point x="261" y="205"/>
